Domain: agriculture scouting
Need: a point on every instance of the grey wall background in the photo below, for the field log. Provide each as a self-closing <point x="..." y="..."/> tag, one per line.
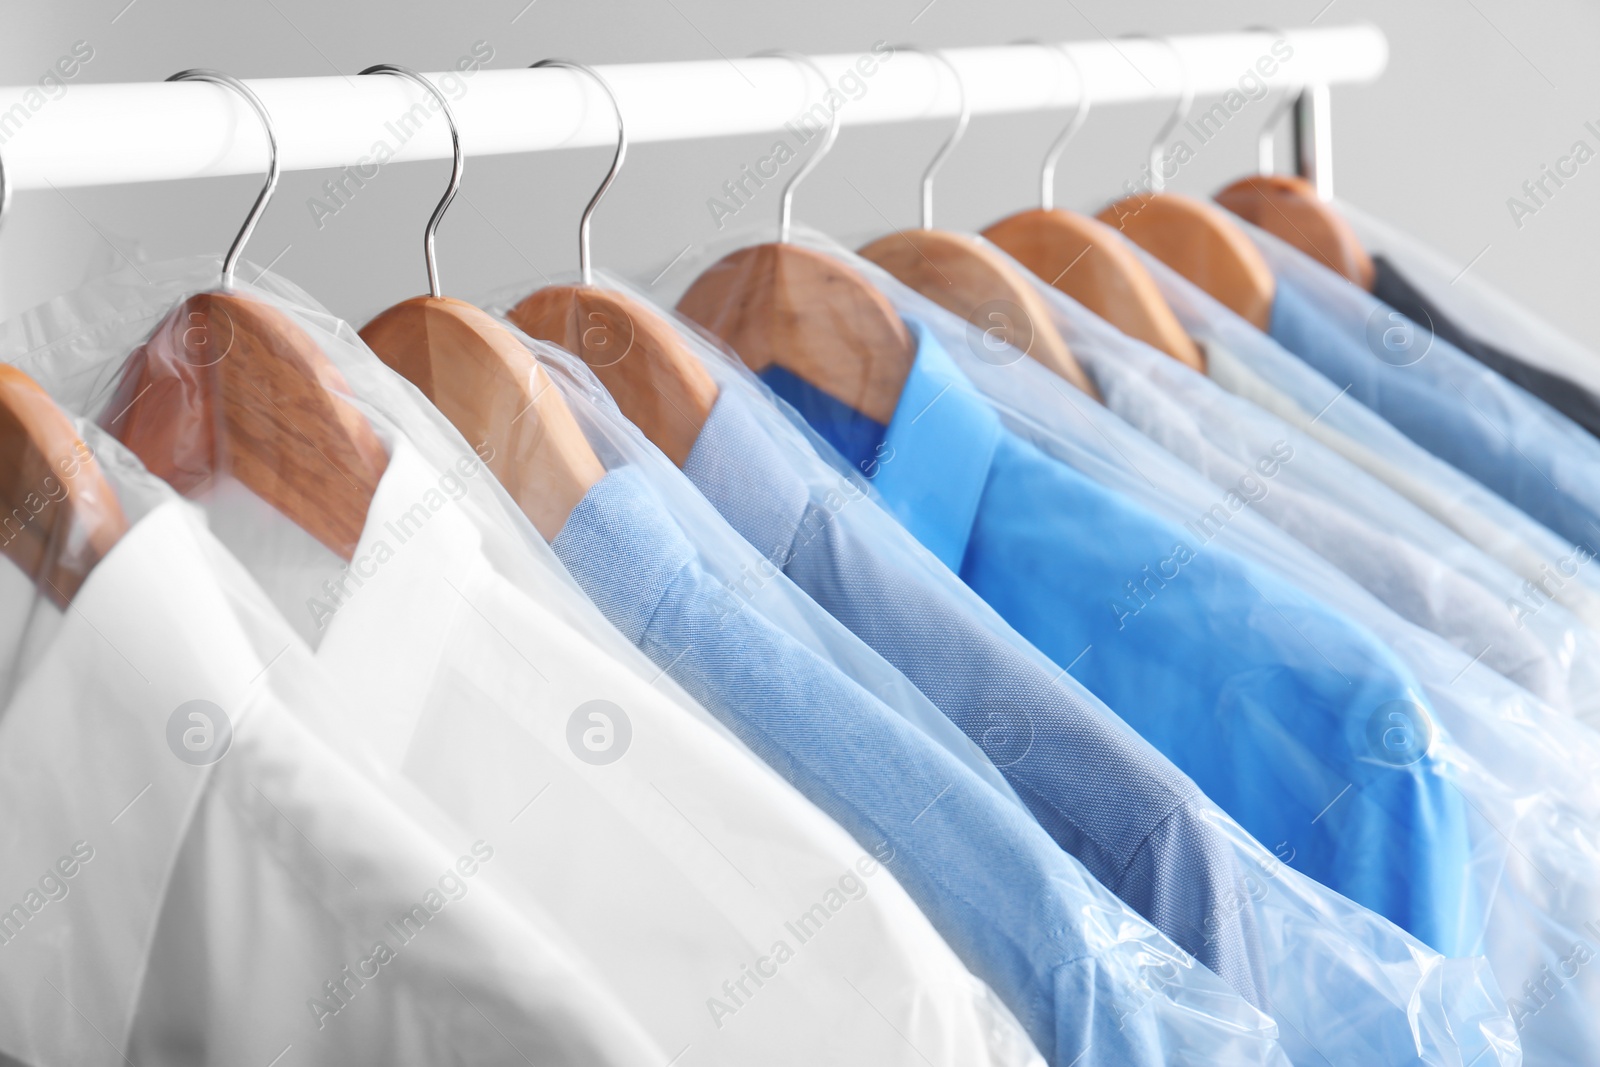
<point x="1478" y="95"/>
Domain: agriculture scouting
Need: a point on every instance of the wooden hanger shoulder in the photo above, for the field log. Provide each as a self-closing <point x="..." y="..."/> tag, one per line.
<point x="496" y="394"/>
<point x="656" y="381"/>
<point x="1086" y="260"/>
<point x="1202" y="243"/>
<point x="58" y="515"/>
<point x="1288" y="208"/>
<point x="966" y="276"/>
<point x="230" y="385"/>
<point x="811" y="314"/>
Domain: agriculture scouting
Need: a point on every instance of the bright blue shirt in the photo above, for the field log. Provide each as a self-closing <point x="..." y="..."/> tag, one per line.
<point x="1018" y="910"/>
<point x="1464" y="413"/>
<point x="1103" y="793"/>
<point x="1296" y="721"/>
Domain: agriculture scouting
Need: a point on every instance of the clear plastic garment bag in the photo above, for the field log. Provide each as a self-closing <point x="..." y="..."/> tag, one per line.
<point x="1303" y="929"/>
<point x="454" y="663"/>
<point x="1421" y="568"/>
<point x="1517" y="773"/>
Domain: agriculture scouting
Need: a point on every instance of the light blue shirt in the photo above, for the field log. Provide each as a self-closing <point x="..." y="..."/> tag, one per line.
<point x="1018" y="910"/>
<point x="1296" y="721"/>
<point x="1456" y="408"/>
<point x="1105" y="795"/>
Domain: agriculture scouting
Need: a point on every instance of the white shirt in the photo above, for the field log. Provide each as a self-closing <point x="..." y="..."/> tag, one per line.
<point x="683" y="867"/>
<point x="208" y="906"/>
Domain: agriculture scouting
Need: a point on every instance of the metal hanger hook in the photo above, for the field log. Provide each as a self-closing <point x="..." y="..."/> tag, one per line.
<point x="228" y="81"/>
<point x="1185" y="101"/>
<point x="5" y="193"/>
<point x="460" y="164"/>
<point x="585" y="270"/>
<point x="786" y="201"/>
<point x="955" y="134"/>
<point x="1267" y="139"/>
<point x="1080" y="115"/>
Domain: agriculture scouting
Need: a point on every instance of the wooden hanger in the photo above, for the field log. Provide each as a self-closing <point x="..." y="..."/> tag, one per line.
<point x="1200" y="242"/>
<point x="805" y="311"/>
<point x="1083" y="258"/>
<point x="655" y="378"/>
<point x="484" y="380"/>
<point x="229" y="385"/>
<point x="58" y="515"/>
<point x="1291" y="209"/>
<point x="965" y="276"/>
<point x="1288" y="208"/>
<point x="1195" y="238"/>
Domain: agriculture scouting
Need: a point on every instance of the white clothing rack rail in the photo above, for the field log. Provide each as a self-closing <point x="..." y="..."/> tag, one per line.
<point x="96" y="134"/>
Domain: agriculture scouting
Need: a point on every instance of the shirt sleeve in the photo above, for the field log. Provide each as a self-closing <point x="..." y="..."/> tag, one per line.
<point x="1096" y="787"/>
<point x="1010" y="903"/>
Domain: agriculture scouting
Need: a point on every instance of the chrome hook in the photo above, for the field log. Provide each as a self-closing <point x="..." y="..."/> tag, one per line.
<point x="5" y="193"/>
<point x="787" y="199"/>
<point x="1080" y="115"/>
<point x="455" y="170"/>
<point x="585" y="270"/>
<point x="955" y="134"/>
<point x="228" y="81"/>
<point x="1267" y="139"/>
<point x="1179" y="113"/>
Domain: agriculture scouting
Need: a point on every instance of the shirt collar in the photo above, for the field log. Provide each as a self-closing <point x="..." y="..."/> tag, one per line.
<point x="418" y="559"/>
<point x="937" y="452"/>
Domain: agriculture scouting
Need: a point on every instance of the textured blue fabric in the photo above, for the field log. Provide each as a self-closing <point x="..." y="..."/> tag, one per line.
<point x="1462" y="412"/>
<point x="1282" y="710"/>
<point x="1021" y="913"/>
<point x="1106" y="796"/>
